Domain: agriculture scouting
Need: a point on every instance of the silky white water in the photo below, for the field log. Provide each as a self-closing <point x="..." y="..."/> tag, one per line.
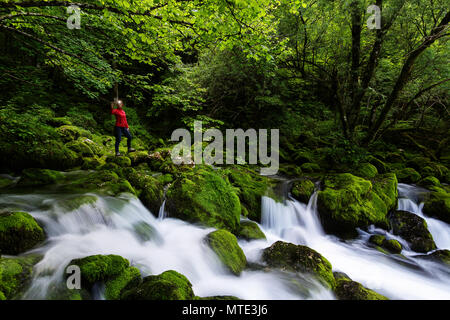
<point x="109" y="226"/>
<point x="394" y="277"/>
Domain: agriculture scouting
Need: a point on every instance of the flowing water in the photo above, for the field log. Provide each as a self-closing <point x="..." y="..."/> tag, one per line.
<point x="123" y="226"/>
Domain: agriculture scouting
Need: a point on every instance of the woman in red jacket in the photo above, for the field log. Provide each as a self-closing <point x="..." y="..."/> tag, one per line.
<point x="121" y="127"/>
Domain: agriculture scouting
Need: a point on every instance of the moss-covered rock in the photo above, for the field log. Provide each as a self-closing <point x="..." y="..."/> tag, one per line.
<point x="385" y="186"/>
<point x="225" y="245"/>
<point x="250" y="230"/>
<point x="70" y="133"/>
<point x="169" y="285"/>
<point x="112" y="270"/>
<point x="346" y="289"/>
<point x="15" y="275"/>
<point x="347" y="202"/>
<point x="19" y="232"/>
<point x="366" y="170"/>
<point x="85" y="147"/>
<point x="377" y="239"/>
<point x="413" y="229"/>
<point x="138" y="157"/>
<point x="408" y="175"/>
<point x="92" y="163"/>
<point x="297" y="258"/>
<point x="438" y="206"/>
<point x="380" y="165"/>
<point x="102" y="182"/>
<point x="302" y="190"/>
<point x="392" y="245"/>
<point x="59" y="121"/>
<point x="122" y="161"/>
<point x="34" y="177"/>
<point x="149" y="189"/>
<point x="6" y="182"/>
<point x="442" y="256"/>
<point x="204" y="196"/>
<point x="310" y="167"/>
<point x="74" y="202"/>
<point x="251" y="187"/>
<point x="429" y="182"/>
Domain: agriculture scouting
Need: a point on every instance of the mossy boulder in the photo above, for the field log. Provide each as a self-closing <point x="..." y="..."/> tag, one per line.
<point x="413" y="229"/>
<point x="85" y="147"/>
<point x="74" y="202"/>
<point x="92" y="163"/>
<point x="15" y="275"/>
<point x="101" y="181"/>
<point x="226" y="247"/>
<point x="204" y="196"/>
<point x="347" y="289"/>
<point x="442" y="256"/>
<point x="19" y="232"/>
<point x="250" y="230"/>
<point x="6" y="182"/>
<point x="310" y="167"/>
<point x="112" y="270"/>
<point x="392" y="245"/>
<point x="302" y="190"/>
<point x="121" y="161"/>
<point x="385" y="186"/>
<point x="379" y="165"/>
<point x="408" y="175"/>
<point x="298" y="258"/>
<point x="35" y="177"/>
<point x="438" y="206"/>
<point x="70" y="133"/>
<point x="348" y="202"/>
<point x="59" y="122"/>
<point x="169" y="285"/>
<point x="366" y="170"/>
<point x="138" y="157"/>
<point x="250" y="187"/>
<point x="429" y="181"/>
<point x="149" y="189"/>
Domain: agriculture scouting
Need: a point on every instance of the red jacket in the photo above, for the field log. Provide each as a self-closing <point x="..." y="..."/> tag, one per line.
<point x="121" y="118"/>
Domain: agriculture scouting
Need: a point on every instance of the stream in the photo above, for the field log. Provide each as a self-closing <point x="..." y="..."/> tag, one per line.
<point x="113" y="225"/>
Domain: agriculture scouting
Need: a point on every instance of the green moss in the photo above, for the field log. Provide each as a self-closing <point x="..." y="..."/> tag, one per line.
<point x="310" y="167"/>
<point x="250" y="230"/>
<point x="15" y="275"/>
<point x="251" y="187"/>
<point x="377" y="239"/>
<point x="35" y="177"/>
<point x="203" y="196"/>
<point x="302" y="190"/>
<point x="74" y="202"/>
<point x="379" y="165"/>
<point x="429" y="182"/>
<point x="438" y="206"/>
<point x="346" y="289"/>
<point x="19" y="232"/>
<point x="100" y="267"/>
<point x="70" y="133"/>
<point x="392" y="245"/>
<point x="408" y="175"/>
<point x="348" y="202"/>
<point x="92" y="163"/>
<point x="59" y="121"/>
<point x="366" y="170"/>
<point x="442" y="256"/>
<point x="102" y="182"/>
<point x="122" y="161"/>
<point x="225" y="245"/>
<point x="169" y="285"/>
<point x="5" y="182"/>
<point x="413" y="229"/>
<point x="149" y="189"/>
<point x="290" y="170"/>
<point x="385" y="186"/>
<point x="138" y="157"/>
<point x="297" y="258"/>
<point x="130" y="277"/>
<point x="85" y="147"/>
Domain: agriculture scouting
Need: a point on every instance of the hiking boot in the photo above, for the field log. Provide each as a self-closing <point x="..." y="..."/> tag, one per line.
<point x="118" y="154"/>
<point x="131" y="150"/>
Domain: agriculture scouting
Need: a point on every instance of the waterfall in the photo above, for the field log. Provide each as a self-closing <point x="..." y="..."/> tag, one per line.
<point x="390" y="275"/>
